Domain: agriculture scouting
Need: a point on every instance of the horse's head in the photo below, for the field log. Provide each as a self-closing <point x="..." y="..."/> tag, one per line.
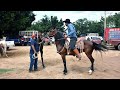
<point x="52" y="32"/>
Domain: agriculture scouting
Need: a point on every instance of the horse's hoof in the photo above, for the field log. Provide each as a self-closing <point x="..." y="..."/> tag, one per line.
<point x="65" y="73"/>
<point x="90" y="72"/>
<point x="44" y="67"/>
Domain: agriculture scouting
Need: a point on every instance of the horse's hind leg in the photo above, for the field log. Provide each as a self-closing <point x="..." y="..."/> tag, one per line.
<point x="1" y="51"/>
<point x="5" y="51"/>
<point x="41" y="52"/>
<point x="92" y="63"/>
<point x="5" y="54"/>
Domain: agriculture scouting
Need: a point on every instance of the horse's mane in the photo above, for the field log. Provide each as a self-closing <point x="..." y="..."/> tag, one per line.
<point x="59" y="37"/>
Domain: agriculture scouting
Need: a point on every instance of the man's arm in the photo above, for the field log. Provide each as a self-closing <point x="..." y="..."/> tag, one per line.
<point x="33" y="48"/>
<point x="32" y="45"/>
<point x="72" y="30"/>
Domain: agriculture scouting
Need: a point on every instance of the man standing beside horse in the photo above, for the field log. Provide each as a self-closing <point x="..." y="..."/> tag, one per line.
<point x="71" y="33"/>
<point x="34" y="49"/>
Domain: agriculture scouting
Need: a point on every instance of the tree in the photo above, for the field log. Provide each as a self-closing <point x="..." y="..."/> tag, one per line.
<point x="46" y="23"/>
<point x="82" y="26"/>
<point x="11" y="22"/>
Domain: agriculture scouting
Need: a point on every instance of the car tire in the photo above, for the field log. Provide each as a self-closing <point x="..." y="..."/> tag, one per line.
<point x="118" y="47"/>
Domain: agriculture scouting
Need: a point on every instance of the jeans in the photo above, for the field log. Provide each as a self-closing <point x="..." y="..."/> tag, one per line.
<point x="33" y="62"/>
<point x="72" y="43"/>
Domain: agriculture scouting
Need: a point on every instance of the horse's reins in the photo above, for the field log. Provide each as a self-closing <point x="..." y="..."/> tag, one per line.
<point x="61" y="39"/>
<point x="42" y="41"/>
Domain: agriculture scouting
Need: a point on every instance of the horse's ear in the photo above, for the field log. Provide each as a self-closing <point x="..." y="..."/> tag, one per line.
<point x="52" y="30"/>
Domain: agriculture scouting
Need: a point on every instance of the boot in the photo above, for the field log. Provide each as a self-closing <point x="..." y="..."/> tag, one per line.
<point x="77" y="53"/>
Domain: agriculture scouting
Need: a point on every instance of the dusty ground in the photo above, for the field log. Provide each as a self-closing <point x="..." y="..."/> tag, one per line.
<point x="106" y="67"/>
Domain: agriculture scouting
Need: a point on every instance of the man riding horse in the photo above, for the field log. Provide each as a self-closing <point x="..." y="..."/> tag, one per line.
<point x="71" y="33"/>
<point x="88" y="48"/>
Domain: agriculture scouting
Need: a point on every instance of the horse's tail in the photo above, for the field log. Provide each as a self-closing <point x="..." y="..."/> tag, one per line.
<point x="99" y="47"/>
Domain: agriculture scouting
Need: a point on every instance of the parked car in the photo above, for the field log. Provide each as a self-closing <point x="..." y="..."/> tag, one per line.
<point x="96" y="40"/>
<point x="24" y="41"/>
<point x="90" y="37"/>
<point x="16" y="40"/>
<point x="10" y="44"/>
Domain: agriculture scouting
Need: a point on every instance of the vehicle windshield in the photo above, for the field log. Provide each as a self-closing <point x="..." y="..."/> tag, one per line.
<point x="95" y="38"/>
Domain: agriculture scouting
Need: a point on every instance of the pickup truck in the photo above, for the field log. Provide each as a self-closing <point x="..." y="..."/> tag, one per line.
<point x="16" y="40"/>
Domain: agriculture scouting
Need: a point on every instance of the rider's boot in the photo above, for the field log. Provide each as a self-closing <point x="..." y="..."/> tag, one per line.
<point x="77" y="53"/>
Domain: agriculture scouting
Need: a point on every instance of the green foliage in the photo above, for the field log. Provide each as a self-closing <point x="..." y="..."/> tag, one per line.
<point x="114" y="20"/>
<point x="84" y="26"/>
<point x="5" y="70"/>
<point x="11" y="22"/>
<point x="46" y="23"/>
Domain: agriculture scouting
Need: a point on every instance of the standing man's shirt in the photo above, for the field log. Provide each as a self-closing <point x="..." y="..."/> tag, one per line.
<point x="33" y="42"/>
<point x="71" y="31"/>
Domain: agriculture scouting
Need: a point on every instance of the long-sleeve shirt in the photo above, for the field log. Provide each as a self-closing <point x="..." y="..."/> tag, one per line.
<point x="71" y="31"/>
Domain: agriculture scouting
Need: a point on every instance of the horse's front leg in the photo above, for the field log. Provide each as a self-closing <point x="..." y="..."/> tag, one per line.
<point x="64" y="62"/>
<point x="4" y="52"/>
<point x="41" y="52"/>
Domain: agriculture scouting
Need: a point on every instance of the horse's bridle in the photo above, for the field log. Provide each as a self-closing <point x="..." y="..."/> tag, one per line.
<point x="60" y="39"/>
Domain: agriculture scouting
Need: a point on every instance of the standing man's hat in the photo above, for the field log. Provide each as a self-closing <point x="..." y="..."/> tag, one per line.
<point x="67" y="21"/>
<point x="33" y="36"/>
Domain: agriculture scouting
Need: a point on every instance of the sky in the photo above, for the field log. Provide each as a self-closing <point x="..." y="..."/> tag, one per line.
<point x="74" y="15"/>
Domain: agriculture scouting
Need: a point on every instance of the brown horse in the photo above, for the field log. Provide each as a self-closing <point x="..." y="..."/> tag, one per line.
<point x="88" y="49"/>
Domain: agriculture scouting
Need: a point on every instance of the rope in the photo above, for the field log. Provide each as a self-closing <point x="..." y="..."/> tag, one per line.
<point x="34" y="57"/>
<point x="61" y="50"/>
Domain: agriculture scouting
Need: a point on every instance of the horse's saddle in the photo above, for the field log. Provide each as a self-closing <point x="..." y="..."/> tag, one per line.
<point x="79" y="44"/>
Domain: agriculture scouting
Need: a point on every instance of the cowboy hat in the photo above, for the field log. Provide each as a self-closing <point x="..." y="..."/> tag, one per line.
<point x="67" y="21"/>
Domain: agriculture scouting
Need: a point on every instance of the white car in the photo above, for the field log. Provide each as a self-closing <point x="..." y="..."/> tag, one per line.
<point x="10" y="44"/>
<point x="90" y="37"/>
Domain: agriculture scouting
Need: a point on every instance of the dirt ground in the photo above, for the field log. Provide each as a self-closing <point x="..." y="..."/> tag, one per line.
<point x="106" y="67"/>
